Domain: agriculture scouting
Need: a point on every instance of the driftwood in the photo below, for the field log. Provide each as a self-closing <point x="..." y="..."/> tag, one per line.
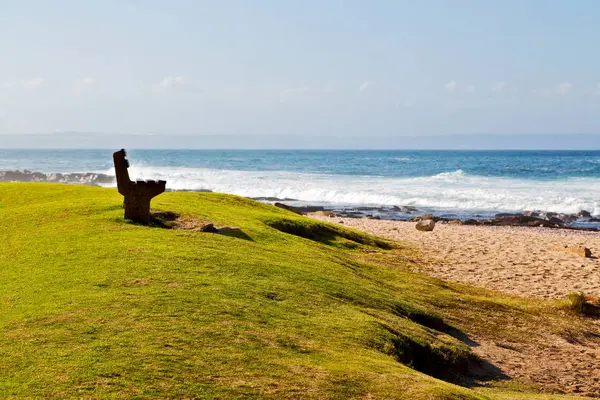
<point x="137" y="194"/>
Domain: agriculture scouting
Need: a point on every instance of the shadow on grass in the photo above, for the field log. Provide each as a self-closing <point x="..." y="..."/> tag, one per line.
<point x="173" y="220"/>
<point x="328" y="234"/>
<point x="446" y="363"/>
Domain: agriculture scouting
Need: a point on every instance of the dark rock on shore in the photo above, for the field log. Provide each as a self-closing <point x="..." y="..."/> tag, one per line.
<point x="350" y="214"/>
<point x="524" y="220"/>
<point x="300" y="210"/>
<point x="429" y="216"/>
<point x="87" y="178"/>
<point x="584" y="214"/>
<point x="405" y="209"/>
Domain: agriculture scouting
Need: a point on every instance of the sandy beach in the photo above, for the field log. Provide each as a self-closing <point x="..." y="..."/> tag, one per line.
<point x="516" y="260"/>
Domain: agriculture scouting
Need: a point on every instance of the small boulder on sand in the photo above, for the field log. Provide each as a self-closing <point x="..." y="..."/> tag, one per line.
<point x="455" y="222"/>
<point x="579" y="250"/>
<point x="425" y="225"/>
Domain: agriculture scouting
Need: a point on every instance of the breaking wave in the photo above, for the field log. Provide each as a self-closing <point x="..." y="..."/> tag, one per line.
<point x="448" y="190"/>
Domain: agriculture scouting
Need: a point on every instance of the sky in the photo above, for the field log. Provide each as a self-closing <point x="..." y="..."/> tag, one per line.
<point x="311" y="67"/>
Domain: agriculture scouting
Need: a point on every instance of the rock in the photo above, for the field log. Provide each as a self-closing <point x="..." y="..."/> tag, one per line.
<point x="367" y="208"/>
<point x="422" y="218"/>
<point x="425" y="225"/>
<point x="299" y="210"/>
<point x="584" y="214"/>
<point x="523" y="220"/>
<point x="507" y="215"/>
<point x="228" y="229"/>
<point x="373" y="217"/>
<point x="579" y="250"/>
<point x="455" y="222"/>
<point x="567" y="218"/>
<point x="209" y="228"/>
<point x="556" y="221"/>
<point x="405" y="209"/>
<point x="323" y="213"/>
<point x="531" y="214"/>
<point x="349" y="214"/>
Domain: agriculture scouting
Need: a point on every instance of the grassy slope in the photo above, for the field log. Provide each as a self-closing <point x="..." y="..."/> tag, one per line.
<point x="95" y="307"/>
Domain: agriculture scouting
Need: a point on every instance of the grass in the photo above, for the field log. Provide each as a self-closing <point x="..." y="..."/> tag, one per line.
<point x="584" y="305"/>
<point x="95" y="307"/>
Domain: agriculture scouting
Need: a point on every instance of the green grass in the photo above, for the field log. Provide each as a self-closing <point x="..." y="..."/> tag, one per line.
<point x="92" y="306"/>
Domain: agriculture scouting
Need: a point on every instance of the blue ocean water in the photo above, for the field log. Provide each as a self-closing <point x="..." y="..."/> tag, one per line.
<point x="449" y="181"/>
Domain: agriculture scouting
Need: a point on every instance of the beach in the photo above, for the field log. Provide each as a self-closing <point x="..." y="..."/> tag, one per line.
<point x="523" y="261"/>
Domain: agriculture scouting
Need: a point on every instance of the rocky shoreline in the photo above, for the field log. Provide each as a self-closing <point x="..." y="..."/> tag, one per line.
<point x="405" y="213"/>
<point x="83" y="178"/>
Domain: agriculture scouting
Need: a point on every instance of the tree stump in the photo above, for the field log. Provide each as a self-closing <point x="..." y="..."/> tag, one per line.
<point x="137" y="194"/>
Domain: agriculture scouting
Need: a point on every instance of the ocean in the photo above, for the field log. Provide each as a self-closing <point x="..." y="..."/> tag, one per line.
<point x="458" y="184"/>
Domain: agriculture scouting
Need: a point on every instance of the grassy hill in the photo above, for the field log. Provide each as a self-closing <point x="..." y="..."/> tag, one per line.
<point x="92" y="306"/>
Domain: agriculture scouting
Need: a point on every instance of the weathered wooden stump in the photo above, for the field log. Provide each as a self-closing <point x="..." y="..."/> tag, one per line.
<point x="137" y="194"/>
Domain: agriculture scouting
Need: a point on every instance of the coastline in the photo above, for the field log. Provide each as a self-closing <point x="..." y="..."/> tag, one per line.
<point x="523" y="261"/>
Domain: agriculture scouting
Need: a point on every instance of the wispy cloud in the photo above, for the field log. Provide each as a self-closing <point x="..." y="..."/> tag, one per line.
<point x="169" y="82"/>
<point x="287" y="94"/>
<point x="82" y="84"/>
<point x="451" y="86"/>
<point x="29" y="84"/>
<point x="564" y="88"/>
<point x="498" y="87"/>
<point x="365" y="86"/>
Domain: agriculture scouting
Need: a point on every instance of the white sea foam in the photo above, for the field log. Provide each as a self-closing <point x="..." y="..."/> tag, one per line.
<point x="447" y="190"/>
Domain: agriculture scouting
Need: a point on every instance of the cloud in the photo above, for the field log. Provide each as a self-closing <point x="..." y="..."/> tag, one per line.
<point x="564" y="88"/>
<point x="365" y="86"/>
<point x="471" y="89"/>
<point x="290" y="93"/>
<point x="498" y="87"/>
<point x="450" y="87"/>
<point x="82" y="84"/>
<point x="29" y="84"/>
<point x="169" y="82"/>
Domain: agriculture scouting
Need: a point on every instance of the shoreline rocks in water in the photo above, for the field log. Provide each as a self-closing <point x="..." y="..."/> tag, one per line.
<point x="403" y="213"/>
<point x="86" y="178"/>
<point x="299" y="209"/>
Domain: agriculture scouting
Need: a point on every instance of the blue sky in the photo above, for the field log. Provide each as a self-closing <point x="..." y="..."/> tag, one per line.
<point x="322" y="68"/>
